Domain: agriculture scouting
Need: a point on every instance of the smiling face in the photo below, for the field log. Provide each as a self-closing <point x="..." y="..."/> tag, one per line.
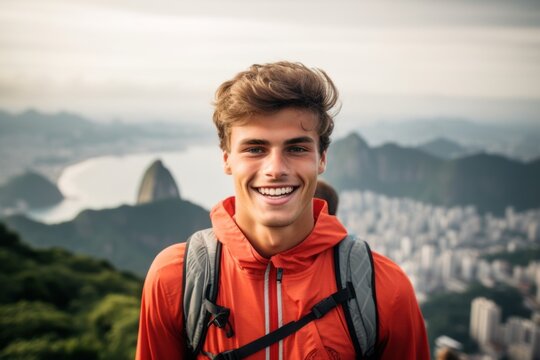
<point x="275" y="160"/>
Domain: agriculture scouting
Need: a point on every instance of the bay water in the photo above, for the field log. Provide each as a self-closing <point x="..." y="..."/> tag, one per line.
<point x="111" y="181"/>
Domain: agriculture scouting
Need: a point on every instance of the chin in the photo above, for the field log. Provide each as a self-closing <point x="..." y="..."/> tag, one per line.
<point x="277" y="222"/>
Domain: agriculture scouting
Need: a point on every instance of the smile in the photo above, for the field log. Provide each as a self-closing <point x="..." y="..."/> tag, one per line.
<point x="276" y="192"/>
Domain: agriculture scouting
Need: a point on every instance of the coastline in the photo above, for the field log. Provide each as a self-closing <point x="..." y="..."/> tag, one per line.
<point x="108" y="181"/>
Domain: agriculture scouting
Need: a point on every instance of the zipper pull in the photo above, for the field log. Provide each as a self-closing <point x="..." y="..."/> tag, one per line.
<point x="279" y="274"/>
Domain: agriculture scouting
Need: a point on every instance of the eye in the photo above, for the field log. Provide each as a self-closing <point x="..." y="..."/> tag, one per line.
<point x="297" y="149"/>
<point x="254" y="150"/>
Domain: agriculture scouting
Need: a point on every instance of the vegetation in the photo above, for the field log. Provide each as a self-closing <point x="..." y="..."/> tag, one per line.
<point x="128" y="236"/>
<point x="56" y="305"/>
<point x="449" y="313"/>
<point x="520" y="257"/>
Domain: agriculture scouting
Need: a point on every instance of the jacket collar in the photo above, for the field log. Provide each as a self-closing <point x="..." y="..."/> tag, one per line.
<point x="326" y="233"/>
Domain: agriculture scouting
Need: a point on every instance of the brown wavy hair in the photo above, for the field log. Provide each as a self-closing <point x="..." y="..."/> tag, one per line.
<point x="268" y="88"/>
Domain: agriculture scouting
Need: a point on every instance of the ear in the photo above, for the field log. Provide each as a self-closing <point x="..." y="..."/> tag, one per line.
<point x="226" y="166"/>
<point x="322" y="163"/>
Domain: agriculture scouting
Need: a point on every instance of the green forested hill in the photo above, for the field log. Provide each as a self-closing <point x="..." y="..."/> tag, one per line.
<point x="128" y="236"/>
<point x="56" y="305"/>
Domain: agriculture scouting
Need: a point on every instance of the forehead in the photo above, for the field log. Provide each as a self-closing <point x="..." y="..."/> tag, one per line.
<point x="280" y="126"/>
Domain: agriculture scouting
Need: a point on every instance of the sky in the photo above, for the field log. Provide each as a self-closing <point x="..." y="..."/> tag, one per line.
<point x="135" y="60"/>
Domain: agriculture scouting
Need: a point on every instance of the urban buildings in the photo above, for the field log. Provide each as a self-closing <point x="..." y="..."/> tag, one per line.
<point x="447" y="249"/>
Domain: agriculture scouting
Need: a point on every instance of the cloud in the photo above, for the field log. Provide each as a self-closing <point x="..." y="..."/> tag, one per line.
<point x="154" y="52"/>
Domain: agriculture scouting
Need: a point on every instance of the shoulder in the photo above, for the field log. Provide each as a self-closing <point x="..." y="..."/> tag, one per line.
<point x="392" y="285"/>
<point x="161" y="301"/>
<point x="163" y="283"/>
<point x="398" y="309"/>
<point x="389" y="275"/>
<point x="168" y="264"/>
<point x="165" y="275"/>
<point x="160" y="325"/>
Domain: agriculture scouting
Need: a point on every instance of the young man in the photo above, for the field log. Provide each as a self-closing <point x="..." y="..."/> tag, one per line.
<point x="277" y="261"/>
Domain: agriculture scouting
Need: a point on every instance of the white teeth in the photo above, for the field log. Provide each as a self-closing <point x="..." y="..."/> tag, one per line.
<point x="276" y="191"/>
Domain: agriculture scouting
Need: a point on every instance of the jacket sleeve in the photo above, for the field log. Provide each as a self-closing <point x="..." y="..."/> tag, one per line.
<point x="160" y="326"/>
<point x="407" y="338"/>
<point x="402" y="332"/>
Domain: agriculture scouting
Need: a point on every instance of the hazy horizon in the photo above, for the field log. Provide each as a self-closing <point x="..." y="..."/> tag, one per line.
<point x="136" y="61"/>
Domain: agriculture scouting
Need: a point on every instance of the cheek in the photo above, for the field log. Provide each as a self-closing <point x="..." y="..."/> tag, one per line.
<point x="242" y="171"/>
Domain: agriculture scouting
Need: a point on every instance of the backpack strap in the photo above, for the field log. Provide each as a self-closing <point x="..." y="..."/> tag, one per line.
<point x="318" y="311"/>
<point x="202" y="260"/>
<point x="354" y="267"/>
<point x="355" y="281"/>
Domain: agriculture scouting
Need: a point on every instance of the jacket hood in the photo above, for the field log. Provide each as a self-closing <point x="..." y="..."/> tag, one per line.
<point x="326" y="233"/>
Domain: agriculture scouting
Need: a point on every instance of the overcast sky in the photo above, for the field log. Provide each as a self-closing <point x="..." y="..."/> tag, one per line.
<point x="162" y="60"/>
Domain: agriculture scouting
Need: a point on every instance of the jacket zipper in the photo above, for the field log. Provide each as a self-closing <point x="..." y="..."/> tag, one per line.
<point x="279" y="277"/>
<point x="273" y="309"/>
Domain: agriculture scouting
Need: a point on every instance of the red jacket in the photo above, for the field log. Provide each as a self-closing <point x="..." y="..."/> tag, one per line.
<point x="259" y="303"/>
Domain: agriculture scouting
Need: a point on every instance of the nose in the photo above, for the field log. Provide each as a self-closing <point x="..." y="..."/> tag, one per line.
<point x="276" y="166"/>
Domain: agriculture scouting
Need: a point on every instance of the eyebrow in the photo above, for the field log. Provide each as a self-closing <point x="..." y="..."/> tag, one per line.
<point x="296" y="140"/>
<point x="254" y="142"/>
<point x="299" y="140"/>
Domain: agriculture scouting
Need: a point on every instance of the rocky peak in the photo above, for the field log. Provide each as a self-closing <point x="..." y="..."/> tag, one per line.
<point x="157" y="184"/>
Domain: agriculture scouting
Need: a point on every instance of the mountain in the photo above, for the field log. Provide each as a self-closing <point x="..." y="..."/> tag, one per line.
<point x="68" y="129"/>
<point x="489" y="182"/>
<point x="444" y="148"/>
<point x="29" y="190"/>
<point x="517" y="140"/>
<point x="47" y="142"/>
<point x="128" y="236"/>
<point x="56" y="305"/>
<point x="157" y="184"/>
<point x="32" y="121"/>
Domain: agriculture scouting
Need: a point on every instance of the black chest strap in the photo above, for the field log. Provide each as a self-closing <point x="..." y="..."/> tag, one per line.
<point x="317" y="312"/>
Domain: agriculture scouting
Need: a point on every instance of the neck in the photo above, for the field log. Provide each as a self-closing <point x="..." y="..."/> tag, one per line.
<point x="269" y="241"/>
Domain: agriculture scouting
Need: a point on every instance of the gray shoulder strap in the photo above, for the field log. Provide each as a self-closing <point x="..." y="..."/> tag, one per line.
<point x="356" y="268"/>
<point x="199" y="283"/>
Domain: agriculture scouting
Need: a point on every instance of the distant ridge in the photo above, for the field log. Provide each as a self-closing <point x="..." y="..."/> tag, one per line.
<point x="157" y="184"/>
<point x="128" y="236"/>
<point x="517" y="140"/>
<point x="48" y="142"/>
<point x="444" y="148"/>
<point x="489" y="182"/>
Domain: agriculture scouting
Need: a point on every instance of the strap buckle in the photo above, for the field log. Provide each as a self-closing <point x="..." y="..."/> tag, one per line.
<point x="219" y="317"/>
<point x="323" y="307"/>
<point x="339" y="297"/>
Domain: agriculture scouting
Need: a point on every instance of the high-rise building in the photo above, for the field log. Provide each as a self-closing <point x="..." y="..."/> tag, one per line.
<point x="538" y="284"/>
<point x="533" y="231"/>
<point x="522" y="338"/>
<point x="447" y="265"/>
<point x="468" y="266"/>
<point x="485" y="321"/>
<point x="427" y="255"/>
